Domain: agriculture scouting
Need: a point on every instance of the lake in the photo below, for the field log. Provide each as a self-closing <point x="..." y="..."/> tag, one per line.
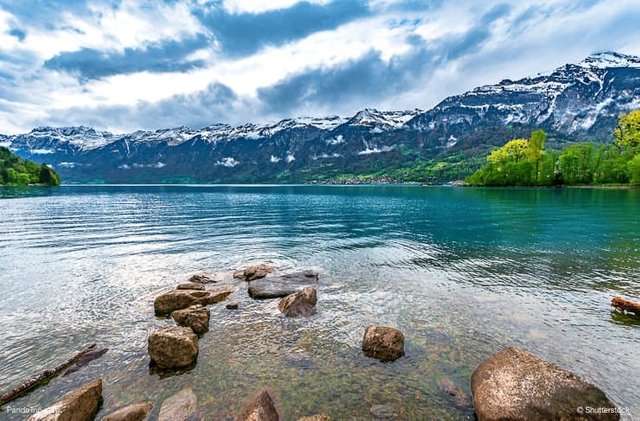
<point x="463" y="272"/>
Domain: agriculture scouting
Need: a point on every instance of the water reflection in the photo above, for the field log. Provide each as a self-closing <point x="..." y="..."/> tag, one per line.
<point x="462" y="272"/>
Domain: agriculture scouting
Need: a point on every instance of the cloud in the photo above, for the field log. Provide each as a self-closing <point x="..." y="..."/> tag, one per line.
<point x="215" y="103"/>
<point x="170" y="56"/>
<point x="245" y="33"/>
<point x="125" y="65"/>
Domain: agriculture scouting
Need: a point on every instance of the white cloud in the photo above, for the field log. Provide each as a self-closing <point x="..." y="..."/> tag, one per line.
<point x="261" y="6"/>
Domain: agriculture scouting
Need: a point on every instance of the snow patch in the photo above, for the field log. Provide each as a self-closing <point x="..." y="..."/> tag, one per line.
<point x="335" y="141"/>
<point x="370" y="151"/>
<point x="228" y="162"/>
<point x="42" y="151"/>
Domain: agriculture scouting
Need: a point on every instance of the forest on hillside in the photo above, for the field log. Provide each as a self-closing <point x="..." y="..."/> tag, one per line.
<point x="525" y="162"/>
<point x="15" y="171"/>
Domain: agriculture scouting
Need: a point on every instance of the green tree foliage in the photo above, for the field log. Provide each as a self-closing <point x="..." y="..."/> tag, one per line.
<point x="19" y="172"/>
<point x="627" y="132"/>
<point x="634" y="170"/>
<point x="524" y="162"/>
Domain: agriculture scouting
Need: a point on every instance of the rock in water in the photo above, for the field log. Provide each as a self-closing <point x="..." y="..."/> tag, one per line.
<point x="180" y="407"/>
<point x="514" y="384"/>
<point x="136" y="412"/>
<point x="191" y="286"/>
<point x="80" y="404"/>
<point x="173" y="347"/>
<point x="232" y="306"/>
<point x="300" y="304"/>
<point x="454" y="393"/>
<point x="261" y="408"/>
<point x="281" y="286"/>
<point x="196" y="317"/>
<point x="202" y="278"/>
<point x="626" y="306"/>
<point x="383" y="343"/>
<point x="253" y="272"/>
<point x="177" y="300"/>
<point x="85" y="359"/>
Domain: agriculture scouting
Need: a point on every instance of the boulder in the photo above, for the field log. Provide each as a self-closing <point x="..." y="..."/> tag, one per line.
<point x="202" y="278"/>
<point x="196" y="317"/>
<point x="514" y="384"/>
<point x="317" y="417"/>
<point x="383" y="343"/>
<point x="79" y="404"/>
<point x="165" y="304"/>
<point x="173" y="347"/>
<point x="262" y="407"/>
<point x="281" y="286"/>
<point x="626" y="306"/>
<point x="136" y="412"/>
<point x="191" y="286"/>
<point x="182" y="406"/>
<point x="253" y="272"/>
<point x="232" y="306"/>
<point x="299" y="304"/>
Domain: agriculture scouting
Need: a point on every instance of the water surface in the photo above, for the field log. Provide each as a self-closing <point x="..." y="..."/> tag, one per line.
<point x="462" y="272"/>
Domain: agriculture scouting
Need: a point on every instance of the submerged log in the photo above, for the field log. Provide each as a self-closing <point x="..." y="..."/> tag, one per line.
<point x="625" y="305"/>
<point x="42" y="378"/>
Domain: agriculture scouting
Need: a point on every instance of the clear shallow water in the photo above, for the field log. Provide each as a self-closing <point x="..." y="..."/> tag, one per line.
<point x="463" y="272"/>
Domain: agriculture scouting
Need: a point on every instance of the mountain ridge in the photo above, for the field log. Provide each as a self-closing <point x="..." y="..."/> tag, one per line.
<point x="577" y="102"/>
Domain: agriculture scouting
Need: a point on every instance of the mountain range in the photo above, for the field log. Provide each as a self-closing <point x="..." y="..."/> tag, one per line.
<point x="576" y="102"/>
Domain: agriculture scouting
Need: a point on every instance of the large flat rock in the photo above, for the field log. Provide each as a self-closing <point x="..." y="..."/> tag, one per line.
<point x="281" y="286"/>
<point x="178" y="299"/>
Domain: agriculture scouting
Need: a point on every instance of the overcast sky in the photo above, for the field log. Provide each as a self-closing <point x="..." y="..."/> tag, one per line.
<point x="135" y="64"/>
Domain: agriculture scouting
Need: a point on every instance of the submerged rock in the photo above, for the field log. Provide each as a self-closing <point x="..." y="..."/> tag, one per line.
<point x="85" y="359"/>
<point x="455" y="394"/>
<point x="191" y="286"/>
<point x="299" y="304"/>
<point x="626" y="306"/>
<point x="202" y="278"/>
<point x="173" y="347"/>
<point x="281" y="286"/>
<point x="182" y="406"/>
<point x="259" y="293"/>
<point x="136" y="412"/>
<point x="166" y="303"/>
<point x="383" y="343"/>
<point x="253" y="272"/>
<point x="79" y="404"/>
<point x="262" y="407"/>
<point x="514" y="384"/>
<point x="196" y="317"/>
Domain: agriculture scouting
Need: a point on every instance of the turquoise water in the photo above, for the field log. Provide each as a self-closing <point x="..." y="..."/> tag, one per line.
<point x="462" y="272"/>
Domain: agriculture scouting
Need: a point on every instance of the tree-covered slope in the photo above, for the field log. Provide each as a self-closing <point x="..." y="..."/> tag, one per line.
<point x="16" y="171"/>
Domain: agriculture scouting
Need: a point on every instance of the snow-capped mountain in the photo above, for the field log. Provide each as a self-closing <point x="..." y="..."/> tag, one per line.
<point x="574" y="102"/>
<point x="581" y="101"/>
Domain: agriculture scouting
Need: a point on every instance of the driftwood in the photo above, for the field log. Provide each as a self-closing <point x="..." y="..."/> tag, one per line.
<point x="42" y="378"/>
<point x="625" y="305"/>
